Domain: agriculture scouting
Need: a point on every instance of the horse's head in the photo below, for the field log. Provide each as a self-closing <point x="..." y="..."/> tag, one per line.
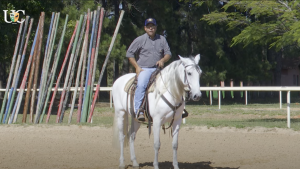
<point x="191" y="77"/>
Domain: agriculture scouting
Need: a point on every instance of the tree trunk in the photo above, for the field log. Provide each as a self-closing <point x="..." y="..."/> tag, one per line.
<point x="116" y="70"/>
<point x="3" y="78"/>
<point x="125" y="67"/>
<point x="277" y="72"/>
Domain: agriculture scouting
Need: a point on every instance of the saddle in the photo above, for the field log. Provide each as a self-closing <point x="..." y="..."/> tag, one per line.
<point x="130" y="88"/>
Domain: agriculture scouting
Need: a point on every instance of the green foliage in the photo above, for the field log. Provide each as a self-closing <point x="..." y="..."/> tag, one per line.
<point x="261" y="22"/>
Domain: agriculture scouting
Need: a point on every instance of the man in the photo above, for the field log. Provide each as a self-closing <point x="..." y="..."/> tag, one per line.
<point x="153" y="51"/>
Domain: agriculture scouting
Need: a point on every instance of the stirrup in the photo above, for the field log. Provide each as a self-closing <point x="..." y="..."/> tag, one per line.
<point x="141" y="117"/>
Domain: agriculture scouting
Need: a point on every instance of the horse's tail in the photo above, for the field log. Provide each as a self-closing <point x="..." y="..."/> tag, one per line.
<point x="124" y="123"/>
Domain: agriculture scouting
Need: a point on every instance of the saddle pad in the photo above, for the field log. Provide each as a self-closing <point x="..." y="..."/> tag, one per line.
<point x="128" y="84"/>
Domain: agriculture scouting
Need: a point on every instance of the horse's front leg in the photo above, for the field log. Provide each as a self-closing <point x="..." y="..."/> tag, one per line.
<point x="175" y="126"/>
<point x="133" y="130"/>
<point x="156" y="133"/>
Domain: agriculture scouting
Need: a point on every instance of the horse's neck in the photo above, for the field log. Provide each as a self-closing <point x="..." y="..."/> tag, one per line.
<point x="169" y="83"/>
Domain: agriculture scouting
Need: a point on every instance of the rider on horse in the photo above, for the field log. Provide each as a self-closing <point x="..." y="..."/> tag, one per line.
<point x="152" y="51"/>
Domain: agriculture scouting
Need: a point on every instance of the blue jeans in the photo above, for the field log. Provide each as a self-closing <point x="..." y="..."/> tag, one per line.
<point x="141" y="86"/>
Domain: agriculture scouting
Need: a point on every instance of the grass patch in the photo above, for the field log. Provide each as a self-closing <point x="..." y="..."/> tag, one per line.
<point x="267" y="115"/>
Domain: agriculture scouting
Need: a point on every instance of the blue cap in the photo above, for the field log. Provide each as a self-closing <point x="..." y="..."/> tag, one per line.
<point x="150" y="20"/>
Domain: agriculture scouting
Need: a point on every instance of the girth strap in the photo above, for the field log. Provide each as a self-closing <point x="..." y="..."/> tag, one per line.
<point x="174" y="108"/>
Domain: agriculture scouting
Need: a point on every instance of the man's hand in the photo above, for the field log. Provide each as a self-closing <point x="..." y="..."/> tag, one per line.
<point x="138" y="71"/>
<point x="160" y="63"/>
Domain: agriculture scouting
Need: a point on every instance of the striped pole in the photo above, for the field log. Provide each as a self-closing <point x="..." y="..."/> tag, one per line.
<point x="11" y="70"/>
<point x="88" y="82"/>
<point x="104" y="64"/>
<point x="83" y="68"/>
<point x="20" y="94"/>
<point x="53" y="71"/>
<point x="96" y="55"/>
<point x="17" y="75"/>
<point x="45" y="68"/>
<point x="74" y="64"/>
<point x="68" y="71"/>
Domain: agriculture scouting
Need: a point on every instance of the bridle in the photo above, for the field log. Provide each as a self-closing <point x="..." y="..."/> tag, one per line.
<point x="187" y="84"/>
<point x="187" y="87"/>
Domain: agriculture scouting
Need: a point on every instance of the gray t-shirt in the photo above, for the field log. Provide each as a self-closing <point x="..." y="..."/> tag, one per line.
<point x="148" y="51"/>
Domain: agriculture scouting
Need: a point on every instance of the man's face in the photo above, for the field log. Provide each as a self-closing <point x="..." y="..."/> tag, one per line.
<point x="150" y="29"/>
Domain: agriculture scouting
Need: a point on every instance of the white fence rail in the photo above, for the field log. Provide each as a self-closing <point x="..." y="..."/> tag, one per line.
<point x="288" y="89"/>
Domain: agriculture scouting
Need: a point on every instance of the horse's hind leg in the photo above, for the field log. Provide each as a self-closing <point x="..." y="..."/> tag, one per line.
<point x="175" y="127"/>
<point x="121" y="138"/>
<point x="133" y="130"/>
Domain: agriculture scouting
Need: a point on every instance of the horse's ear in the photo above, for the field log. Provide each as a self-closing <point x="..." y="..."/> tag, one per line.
<point x="182" y="59"/>
<point x="197" y="58"/>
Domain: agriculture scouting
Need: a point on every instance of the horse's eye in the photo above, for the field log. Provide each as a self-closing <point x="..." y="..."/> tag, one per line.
<point x="189" y="73"/>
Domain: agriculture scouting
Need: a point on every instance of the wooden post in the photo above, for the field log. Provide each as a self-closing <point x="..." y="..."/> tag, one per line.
<point x="41" y="32"/>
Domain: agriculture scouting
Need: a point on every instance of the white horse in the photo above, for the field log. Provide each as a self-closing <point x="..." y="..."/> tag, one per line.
<point x="173" y="82"/>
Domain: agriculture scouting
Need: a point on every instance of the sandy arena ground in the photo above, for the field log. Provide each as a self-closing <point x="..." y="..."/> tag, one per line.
<point x="82" y="147"/>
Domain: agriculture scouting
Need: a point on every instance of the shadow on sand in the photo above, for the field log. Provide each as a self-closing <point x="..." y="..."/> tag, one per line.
<point x="169" y="165"/>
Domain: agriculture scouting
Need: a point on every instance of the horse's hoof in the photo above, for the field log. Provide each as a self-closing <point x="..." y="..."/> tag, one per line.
<point x="135" y="166"/>
<point x="176" y="167"/>
<point x="121" y="167"/>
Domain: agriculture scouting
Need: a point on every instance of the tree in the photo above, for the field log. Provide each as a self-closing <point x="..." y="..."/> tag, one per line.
<point x="274" y="24"/>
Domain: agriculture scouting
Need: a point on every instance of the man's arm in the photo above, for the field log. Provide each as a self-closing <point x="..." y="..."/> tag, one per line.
<point x="162" y="61"/>
<point x="135" y="65"/>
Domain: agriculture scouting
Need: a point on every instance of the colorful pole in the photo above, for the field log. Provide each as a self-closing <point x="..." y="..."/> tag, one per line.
<point x="53" y="71"/>
<point x="68" y="71"/>
<point x="32" y="54"/>
<point x="73" y="65"/>
<point x="20" y="94"/>
<point x="78" y="70"/>
<point x="88" y="82"/>
<point x="17" y="75"/>
<point x="96" y="55"/>
<point x="49" y="56"/>
<point x="41" y="32"/>
<point x="105" y="63"/>
<point x="45" y="68"/>
<point x="11" y="70"/>
<point x="83" y="68"/>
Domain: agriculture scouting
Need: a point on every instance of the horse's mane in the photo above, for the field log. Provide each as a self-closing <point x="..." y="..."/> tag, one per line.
<point x="168" y="80"/>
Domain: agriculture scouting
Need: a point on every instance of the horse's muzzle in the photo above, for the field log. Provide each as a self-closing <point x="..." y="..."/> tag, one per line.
<point x="196" y="97"/>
